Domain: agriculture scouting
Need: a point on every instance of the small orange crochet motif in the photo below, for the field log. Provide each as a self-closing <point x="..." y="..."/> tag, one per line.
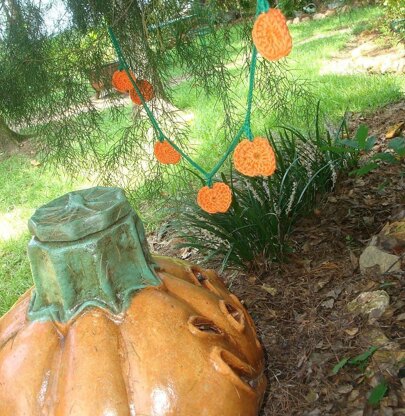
<point x="271" y="35"/>
<point x="166" y="154"/>
<point x="146" y="89"/>
<point x="254" y="158"/>
<point x="215" y="200"/>
<point x="121" y="82"/>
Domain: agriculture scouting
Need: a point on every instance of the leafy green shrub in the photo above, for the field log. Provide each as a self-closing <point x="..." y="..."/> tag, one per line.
<point x="256" y="229"/>
<point x="392" y="23"/>
<point x="395" y="8"/>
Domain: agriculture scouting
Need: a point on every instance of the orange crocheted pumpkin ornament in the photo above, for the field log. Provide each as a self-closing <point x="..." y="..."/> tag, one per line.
<point x="146" y="89"/>
<point x="166" y="154"/>
<point x="254" y="158"/>
<point x="271" y="35"/>
<point x="121" y="82"/>
<point x="216" y="199"/>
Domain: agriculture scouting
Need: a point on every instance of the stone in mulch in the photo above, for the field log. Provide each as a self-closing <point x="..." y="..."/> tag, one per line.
<point x="385" y="262"/>
<point x="372" y="304"/>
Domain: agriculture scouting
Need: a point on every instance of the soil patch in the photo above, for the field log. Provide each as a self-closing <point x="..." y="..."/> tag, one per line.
<point x="300" y="307"/>
<point x="380" y="121"/>
<point x="305" y="326"/>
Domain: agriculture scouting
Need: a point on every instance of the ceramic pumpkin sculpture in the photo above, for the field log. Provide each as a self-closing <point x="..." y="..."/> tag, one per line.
<point x="109" y="329"/>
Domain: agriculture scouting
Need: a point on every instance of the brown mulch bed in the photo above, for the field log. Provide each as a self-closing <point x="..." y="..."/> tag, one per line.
<point x="305" y="327"/>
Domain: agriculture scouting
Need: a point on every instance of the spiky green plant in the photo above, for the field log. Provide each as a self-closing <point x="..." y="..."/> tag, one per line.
<point x="255" y="231"/>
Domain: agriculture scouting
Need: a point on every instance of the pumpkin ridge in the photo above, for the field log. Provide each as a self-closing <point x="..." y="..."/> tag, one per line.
<point x="11" y="337"/>
<point x="23" y="379"/>
<point x="14" y="319"/>
<point x="90" y="374"/>
<point x="183" y="299"/>
<point x="220" y="319"/>
<point x="123" y="358"/>
<point x="53" y="383"/>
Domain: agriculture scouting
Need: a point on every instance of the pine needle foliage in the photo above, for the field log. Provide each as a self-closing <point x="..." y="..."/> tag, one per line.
<point x="45" y="88"/>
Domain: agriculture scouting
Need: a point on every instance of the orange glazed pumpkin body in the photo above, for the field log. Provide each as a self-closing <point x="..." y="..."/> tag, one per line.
<point x="184" y="346"/>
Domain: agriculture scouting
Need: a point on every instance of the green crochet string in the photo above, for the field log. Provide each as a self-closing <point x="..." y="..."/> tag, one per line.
<point x="262" y="6"/>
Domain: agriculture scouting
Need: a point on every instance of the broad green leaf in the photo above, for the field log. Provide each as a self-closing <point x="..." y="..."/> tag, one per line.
<point x="386" y="157"/>
<point x="378" y="393"/>
<point x="337" y="149"/>
<point x="340" y="365"/>
<point x="371" y="141"/>
<point x="398" y="145"/>
<point x="364" y="356"/>
<point x="365" y="169"/>
<point x="361" y="136"/>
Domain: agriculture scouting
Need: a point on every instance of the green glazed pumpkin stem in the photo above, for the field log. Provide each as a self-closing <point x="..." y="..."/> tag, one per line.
<point x="88" y="249"/>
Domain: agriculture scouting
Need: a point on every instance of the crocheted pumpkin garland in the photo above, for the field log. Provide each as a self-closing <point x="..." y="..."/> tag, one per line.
<point x="215" y="200"/>
<point x="146" y="89"/>
<point x="254" y="158"/>
<point x="166" y="154"/>
<point x="271" y="35"/>
<point x="121" y="82"/>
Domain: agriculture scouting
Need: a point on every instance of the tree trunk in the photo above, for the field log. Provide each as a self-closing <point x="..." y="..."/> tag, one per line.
<point x="12" y="10"/>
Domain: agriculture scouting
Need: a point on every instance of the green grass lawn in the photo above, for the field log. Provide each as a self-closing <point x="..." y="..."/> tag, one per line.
<point x="24" y="187"/>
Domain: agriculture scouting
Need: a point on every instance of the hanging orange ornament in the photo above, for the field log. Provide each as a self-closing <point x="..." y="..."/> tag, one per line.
<point x="254" y="158"/>
<point x="146" y="89"/>
<point x="121" y="82"/>
<point x="215" y="200"/>
<point x="166" y="154"/>
<point x="271" y="35"/>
